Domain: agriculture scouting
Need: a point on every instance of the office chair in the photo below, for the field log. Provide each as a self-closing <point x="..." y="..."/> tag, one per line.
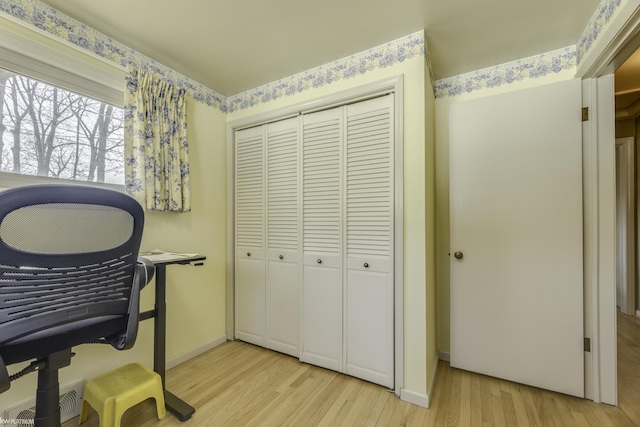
<point x="69" y="274"/>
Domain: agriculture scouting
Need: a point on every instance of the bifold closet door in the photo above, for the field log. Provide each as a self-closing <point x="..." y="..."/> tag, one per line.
<point x="315" y="238"/>
<point x="322" y="139"/>
<point x="250" y="255"/>
<point x="369" y="244"/>
<point x="283" y="273"/>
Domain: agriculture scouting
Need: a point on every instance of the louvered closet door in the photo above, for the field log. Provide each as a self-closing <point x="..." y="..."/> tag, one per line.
<point x="370" y="222"/>
<point x="322" y="258"/>
<point x="283" y="274"/>
<point x="250" y="225"/>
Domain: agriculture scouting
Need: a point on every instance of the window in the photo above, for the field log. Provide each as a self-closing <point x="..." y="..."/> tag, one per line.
<point x="53" y="132"/>
<point x="61" y="111"/>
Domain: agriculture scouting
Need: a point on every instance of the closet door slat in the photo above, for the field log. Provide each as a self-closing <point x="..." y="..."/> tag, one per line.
<point x="369" y="176"/>
<point x="250" y="188"/>
<point x="282" y="184"/>
<point x="321" y="173"/>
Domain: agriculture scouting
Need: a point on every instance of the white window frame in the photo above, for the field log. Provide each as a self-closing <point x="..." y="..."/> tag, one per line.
<point x="38" y="55"/>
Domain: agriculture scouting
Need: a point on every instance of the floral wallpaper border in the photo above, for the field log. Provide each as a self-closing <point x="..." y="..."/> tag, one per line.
<point x="50" y="20"/>
<point x="507" y="73"/>
<point x="595" y="26"/>
<point x="534" y="66"/>
<point x="381" y="56"/>
<point x="56" y="23"/>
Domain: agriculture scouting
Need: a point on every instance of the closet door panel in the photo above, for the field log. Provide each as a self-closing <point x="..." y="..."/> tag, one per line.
<point x="283" y="300"/>
<point x="283" y="266"/>
<point x="322" y="337"/>
<point x="250" y="260"/>
<point x="369" y="240"/>
<point x="369" y="326"/>
<point x="322" y="318"/>
<point x="250" y="297"/>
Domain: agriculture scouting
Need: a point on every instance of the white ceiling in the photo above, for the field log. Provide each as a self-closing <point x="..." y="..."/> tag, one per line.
<point x="234" y="45"/>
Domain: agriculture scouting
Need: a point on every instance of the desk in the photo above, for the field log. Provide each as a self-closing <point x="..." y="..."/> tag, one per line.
<point x="174" y="404"/>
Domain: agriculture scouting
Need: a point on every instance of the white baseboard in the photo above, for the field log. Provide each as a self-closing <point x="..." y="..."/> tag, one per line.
<point x="444" y="355"/>
<point x="413" y="397"/>
<point x="190" y="354"/>
<point x="421" y="399"/>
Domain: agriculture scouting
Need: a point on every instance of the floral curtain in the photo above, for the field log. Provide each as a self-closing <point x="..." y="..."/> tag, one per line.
<point x="156" y="148"/>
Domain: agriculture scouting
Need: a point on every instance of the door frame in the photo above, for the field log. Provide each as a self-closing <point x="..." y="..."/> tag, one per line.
<point x="625" y="149"/>
<point x="393" y="84"/>
<point x="617" y="40"/>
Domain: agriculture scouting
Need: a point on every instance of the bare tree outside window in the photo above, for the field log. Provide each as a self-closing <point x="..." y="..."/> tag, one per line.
<point x="49" y="131"/>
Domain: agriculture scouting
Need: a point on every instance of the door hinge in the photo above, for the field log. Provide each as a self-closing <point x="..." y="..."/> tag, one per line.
<point x="587" y="345"/>
<point x="585" y="114"/>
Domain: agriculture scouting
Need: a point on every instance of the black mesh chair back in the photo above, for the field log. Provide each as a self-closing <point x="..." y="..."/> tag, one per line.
<point x="69" y="271"/>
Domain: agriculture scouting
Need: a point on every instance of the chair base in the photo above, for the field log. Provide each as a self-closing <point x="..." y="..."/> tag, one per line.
<point x="48" y="393"/>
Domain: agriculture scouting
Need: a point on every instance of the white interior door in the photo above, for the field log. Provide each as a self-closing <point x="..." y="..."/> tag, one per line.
<point x="322" y="144"/>
<point x="368" y="297"/>
<point x="283" y="276"/>
<point x="516" y="223"/>
<point x="250" y="260"/>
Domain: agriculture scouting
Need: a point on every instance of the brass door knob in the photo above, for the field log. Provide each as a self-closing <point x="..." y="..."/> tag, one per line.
<point x="248" y="253"/>
<point x="366" y="265"/>
<point x="458" y="255"/>
<point x="319" y="261"/>
<point x="281" y="257"/>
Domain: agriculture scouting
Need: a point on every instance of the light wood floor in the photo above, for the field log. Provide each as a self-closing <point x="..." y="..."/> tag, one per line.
<point x="238" y="384"/>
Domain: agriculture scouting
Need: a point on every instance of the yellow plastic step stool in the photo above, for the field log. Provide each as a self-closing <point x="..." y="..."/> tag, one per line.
<point x="112" y="393"/>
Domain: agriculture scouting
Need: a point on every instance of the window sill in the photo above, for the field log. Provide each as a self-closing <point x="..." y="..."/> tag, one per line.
<point x="10" y="180"/>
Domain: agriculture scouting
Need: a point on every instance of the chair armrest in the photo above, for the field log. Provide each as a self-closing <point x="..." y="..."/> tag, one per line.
<point x="146" y="270"/>
<point x="5" y="382"/>
<point x="143" y="273"/>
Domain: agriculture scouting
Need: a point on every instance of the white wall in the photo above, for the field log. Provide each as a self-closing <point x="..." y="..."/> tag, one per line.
<point x="196" y="295"/>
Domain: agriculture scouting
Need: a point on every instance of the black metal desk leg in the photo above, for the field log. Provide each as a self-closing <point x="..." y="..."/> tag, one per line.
<point x="174" y="404"/>
<point x="160" y="323"/>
